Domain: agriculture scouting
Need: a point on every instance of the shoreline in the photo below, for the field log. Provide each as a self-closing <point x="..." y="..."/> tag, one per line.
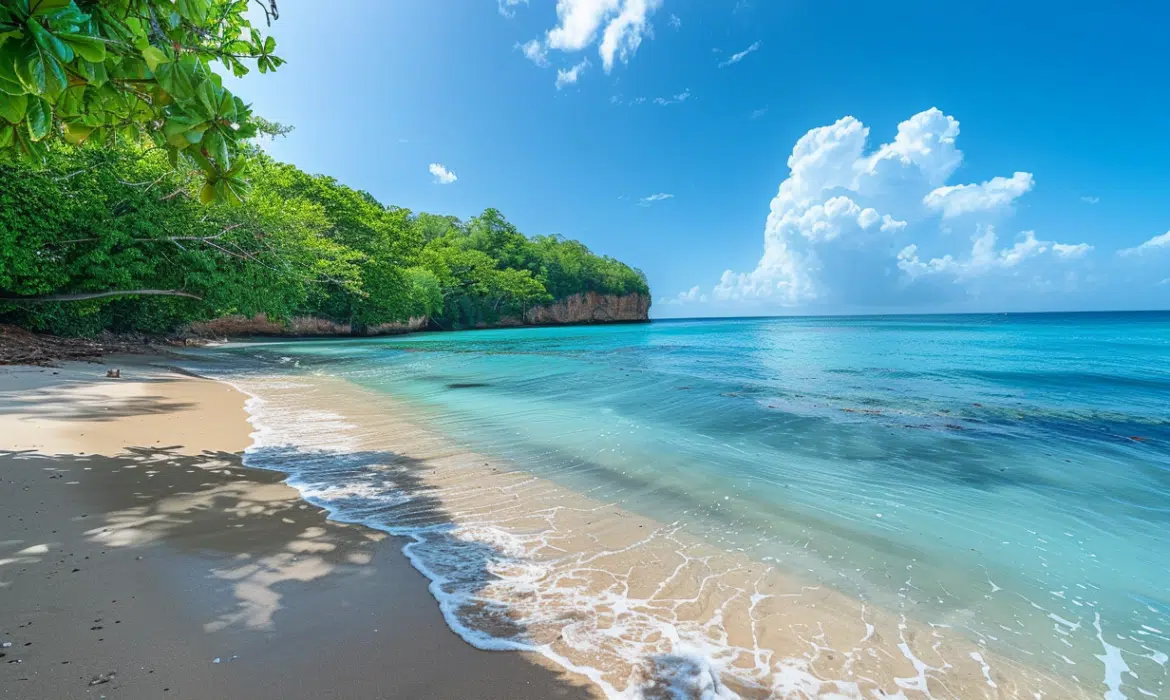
<point x="551" y="557"/>
<point x="143" y="559"/>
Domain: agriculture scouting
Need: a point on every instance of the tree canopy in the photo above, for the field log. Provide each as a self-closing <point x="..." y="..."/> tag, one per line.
<point x="127" y="72"/>
<point x="91" y="221"/>
<point x="124" y="164"/>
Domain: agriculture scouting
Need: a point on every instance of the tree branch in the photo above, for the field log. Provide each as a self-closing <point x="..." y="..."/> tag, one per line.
<point x="83" y="296"/>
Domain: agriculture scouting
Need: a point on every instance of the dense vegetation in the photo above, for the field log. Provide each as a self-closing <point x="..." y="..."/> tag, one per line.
<point x="118" y="72"/>
<point x="95" y="220"/>
<point x="133" y="198"/>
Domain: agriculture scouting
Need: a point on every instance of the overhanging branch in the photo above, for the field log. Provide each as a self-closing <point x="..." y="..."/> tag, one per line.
<point x="84" y="296"/>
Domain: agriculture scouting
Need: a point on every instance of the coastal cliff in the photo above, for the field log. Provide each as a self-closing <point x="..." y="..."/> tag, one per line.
<point x="590" y="307"/>
<point x="584" y="308"/>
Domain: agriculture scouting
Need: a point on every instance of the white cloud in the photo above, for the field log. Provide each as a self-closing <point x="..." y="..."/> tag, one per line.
<point x="998" y="192"/>
<point x="838" y="228"/>
<point x="534" y="51"/>
<point x="1155" y="243"/>
<point x="1090" y="199"/>
<point x="569" y="76"/>
<point x="737" y="57"/>
<point x="507" y="6"/>
<point x="675" y="22"/>
<point x="984" y="258"/>
<point x="756" y="114"/>
<point x="624" y="34"/>
<point x="616" y="26"/>
<point x="691" y="296"/>
<point x="1071" y="251"/>
<point x="673" y="99"/>
<point x="658" y="197"/>
<point x="578" y="22"/>
<point x="443" y="176"/>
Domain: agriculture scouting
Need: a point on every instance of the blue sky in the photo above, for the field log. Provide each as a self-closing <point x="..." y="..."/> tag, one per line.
<point x="763" y="156"/>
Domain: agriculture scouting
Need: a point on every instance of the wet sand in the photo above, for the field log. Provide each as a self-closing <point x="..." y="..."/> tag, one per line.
<point x="642" y="607"/>
<point x="139" y="559"/>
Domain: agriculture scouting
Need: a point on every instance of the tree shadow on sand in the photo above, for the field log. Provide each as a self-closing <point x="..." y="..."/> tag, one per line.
<point x="63" y="403"/>
<point x="266" y="542"/>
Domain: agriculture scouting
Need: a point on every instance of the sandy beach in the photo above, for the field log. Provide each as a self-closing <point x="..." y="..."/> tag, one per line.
<point x="139" y="559"/>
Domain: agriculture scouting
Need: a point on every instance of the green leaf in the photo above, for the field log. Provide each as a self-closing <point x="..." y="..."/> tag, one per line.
<point x="40" y="118"/>
<point x="14" y="108"/>
<point x="88" y="47"/>
<point x="269" y="44"/>
<point x="71" y="103"/>
<point x="66" y="19"/>
<point x="94" y="73"/>
<point x="39" y="7"/>
<point x="49" y="42"/>
<point x="39" y="71"/>
<point x="76" y="133"/>
<point x="179" y="78"/>
<point x="154" y="57"/>
<point x="207" y="193"/>
<point x="194" y="10"/>
<point x="7" y="132"/>
<point x="207" y="98"/>
<point x="182" y="131"/>
<point x="216" y="146"/>
<point x="231" y="190"/>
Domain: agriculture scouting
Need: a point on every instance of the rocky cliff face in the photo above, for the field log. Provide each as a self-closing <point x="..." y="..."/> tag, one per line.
<point x="298" y="327"/>
<point x="591" y="307"/>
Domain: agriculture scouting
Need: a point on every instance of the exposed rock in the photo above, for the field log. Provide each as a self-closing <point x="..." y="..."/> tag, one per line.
<point x="297" y="327"/>
<point x="591" y="307"/>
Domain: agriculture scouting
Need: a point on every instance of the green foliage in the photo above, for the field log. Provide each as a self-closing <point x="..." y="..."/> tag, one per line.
<point x="101" y="219"/>
<point x="129" y="72"/>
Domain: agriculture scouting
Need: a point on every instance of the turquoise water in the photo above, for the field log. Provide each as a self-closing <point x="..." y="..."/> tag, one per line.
<point x="930" y="459"/>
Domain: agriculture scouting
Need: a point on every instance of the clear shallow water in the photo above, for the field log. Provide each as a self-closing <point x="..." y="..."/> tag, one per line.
<point x="1007" y="476"/>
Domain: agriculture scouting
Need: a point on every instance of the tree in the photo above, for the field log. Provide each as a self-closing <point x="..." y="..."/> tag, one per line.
<point x="92" y="226"/>
<point x="125" y="72"/>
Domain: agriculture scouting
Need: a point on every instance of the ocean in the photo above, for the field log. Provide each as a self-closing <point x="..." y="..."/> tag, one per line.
<point x="916" y="506"/>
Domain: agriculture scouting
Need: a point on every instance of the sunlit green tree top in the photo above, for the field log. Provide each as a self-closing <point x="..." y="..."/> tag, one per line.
<point x="113" y="72"/>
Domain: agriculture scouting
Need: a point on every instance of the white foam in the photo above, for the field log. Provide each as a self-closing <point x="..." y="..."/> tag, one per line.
<point x="1114" y="664"/>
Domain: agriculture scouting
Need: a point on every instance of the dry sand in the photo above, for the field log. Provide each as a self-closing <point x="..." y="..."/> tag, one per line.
<point x="139" y="559"/>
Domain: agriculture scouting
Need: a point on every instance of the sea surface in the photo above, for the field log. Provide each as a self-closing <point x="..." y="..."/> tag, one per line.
<point x="1000" y="479"/>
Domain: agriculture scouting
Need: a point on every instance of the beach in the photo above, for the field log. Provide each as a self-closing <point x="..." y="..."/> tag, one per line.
<point x="596" y="512"/>
<point x="140" y="559"/>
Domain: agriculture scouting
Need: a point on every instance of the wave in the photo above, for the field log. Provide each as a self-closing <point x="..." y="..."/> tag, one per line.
<point x="639" y="607"/>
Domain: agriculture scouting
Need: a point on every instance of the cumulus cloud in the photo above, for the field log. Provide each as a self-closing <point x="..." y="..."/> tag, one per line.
<point x="737" y="57"/>
<point x="443" y="176"/>
<point x="658" y="197"/>
<point x="843" y="225"/>
<point x="617" y="27"/>
<point x="985" y="257"/>
<point x="569" y="76"/>
<point x="1155" y="243"/>
<point x="996" y="193"/>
